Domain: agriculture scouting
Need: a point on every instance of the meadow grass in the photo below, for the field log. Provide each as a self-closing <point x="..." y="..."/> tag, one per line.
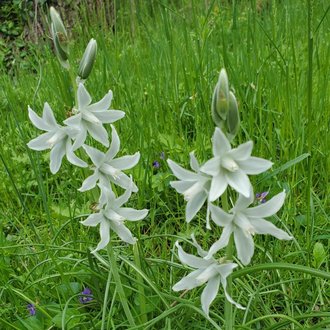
<point x="161" y="61"/>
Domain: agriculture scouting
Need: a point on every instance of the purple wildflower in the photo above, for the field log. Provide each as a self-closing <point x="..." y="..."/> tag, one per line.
<point x="261" y="197"/>
<point x="32" y="309"/>
<point x="155" y="164"/>
<point x="87" y="296"/>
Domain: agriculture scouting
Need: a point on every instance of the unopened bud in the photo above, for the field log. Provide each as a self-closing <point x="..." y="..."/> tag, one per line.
<point x="57" y="22"/>
<point x="233" y="121"/>
<point x="222" y="97"/>
<point x="88" y="59"/>
<point x="220" y="100"/>
<point x="60" y="51"/>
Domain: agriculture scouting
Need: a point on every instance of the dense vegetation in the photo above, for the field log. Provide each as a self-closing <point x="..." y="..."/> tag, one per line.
<point x="161" y="59"/>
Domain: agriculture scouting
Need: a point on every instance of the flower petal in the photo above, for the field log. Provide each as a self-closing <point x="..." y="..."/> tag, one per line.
<point x="101" y="105"/>
<point x="38" y="121"/>
<point x="267" y="209"/>
<point x="114" y="146"/>
<point x="41" y="142"/>
<point x="125" y="162"/>
<point x="209" y="293"/>
<point x="123" y="232"/>
<point x="242" y="152"/>
<point x="98" y="132"/>
<point x="181" y="186"/>
<point x="194" y="162"/>
<point x="56" y="155"/>
<point x="254" y="165"/>
<point x="195" y="204"/>
<point x="242" y="202"/>
<point x="104" y="234"/>
<point x="132" y="214"/>
<point x="188" y="282"/>
<point x="48" y="116"/>
<point x="220" y="217"/>
<point x="122" y="180"/>
<point x="191" y="260"/>
<point x="93" y="220"/>
<point x="218" y="186"/>
<point x="200" y="250"/>
<point x="71" y="157"/>
<point x="221" y="144"/>
<point x="228" y="271"/>
<point x="244" y="245"/>
<point x="221" y="242"/>
<point x="180" y="172"/>
<point x="261" y="226"/>
<point x="109" y="116"/>
<point x="212" y="166"/>
<point x="96" y="156"/>
<point x="240" y="182"/>
<point x="90" y="182"/>
<point x="84" y="99"/>
<point x="80" y="138"/>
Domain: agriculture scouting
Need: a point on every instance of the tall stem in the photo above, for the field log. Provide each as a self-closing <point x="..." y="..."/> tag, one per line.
<point x="229" y="256"/>
<point x="119" y="286"/>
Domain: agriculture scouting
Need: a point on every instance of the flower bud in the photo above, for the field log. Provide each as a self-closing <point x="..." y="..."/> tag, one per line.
<point x="57" y="22"/>
<point x="233" y="121"/>
<point x="220" y="100"/>
<point x="60" y="52"/>
<point x="222" y="95"/>
<point x="88" y="59"/>
<point x="60" y="37"/>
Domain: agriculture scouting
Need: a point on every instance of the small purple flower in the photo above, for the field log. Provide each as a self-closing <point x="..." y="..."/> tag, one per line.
<point x="87" y="296"/>
<point x="162" y="155"/>
<point x="32" y="309"/>
<point x="155" y="164"/>
<point x="261" y="197"/>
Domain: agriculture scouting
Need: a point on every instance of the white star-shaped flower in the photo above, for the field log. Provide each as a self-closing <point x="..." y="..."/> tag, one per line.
<point x="194" y="186"/>
<point x="208" y="271"/>
<point x="244" y="222"/>
<point x="91" y="117"/>
<point x="58" y="138"/>
<point x="231" y="166"/>
<point x="113" y="216"/>
<point x="106" y="167"/>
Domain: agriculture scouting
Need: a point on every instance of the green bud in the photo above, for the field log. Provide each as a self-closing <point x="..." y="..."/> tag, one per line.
<point x="222" y="95"/>
<point x="233" y="121"/>
<point x="88" y="59"/>
<point x="58" y="23"/>
<point x="61" y="52"/>
<point x="220" y="100"/>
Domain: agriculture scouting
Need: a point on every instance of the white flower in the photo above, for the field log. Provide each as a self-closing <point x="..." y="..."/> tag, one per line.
<point x="57" y="138"/>
<point x="113" y="217"/>
<point x="91" y="117"/>
<point x="107" y="168"/>
<point x="194" y="186"/>
<point x="244" y="222"/>
<point x="231" y="166"/>
<point x="206" y="271"/>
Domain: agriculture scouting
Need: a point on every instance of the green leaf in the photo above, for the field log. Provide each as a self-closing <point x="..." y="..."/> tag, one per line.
<point x="319" y="255"/>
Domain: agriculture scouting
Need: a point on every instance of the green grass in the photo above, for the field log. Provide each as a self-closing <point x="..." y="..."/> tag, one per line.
<point x="162" y="61"/>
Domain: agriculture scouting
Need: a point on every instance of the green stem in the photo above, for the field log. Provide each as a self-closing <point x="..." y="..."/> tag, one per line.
<point x="105" y="300"/>
<point x="229" y="256"/>
<point x="309" y="128"/>
<point x="139" y="280"/>
<point x="119" y="286"/>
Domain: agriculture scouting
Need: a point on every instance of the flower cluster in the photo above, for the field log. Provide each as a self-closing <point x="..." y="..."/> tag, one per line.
<point x="88" y="119"/>
<point x="229" y="167"/>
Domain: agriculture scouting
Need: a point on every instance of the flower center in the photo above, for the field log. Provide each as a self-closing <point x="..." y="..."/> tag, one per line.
<point x="229" y="164"/>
